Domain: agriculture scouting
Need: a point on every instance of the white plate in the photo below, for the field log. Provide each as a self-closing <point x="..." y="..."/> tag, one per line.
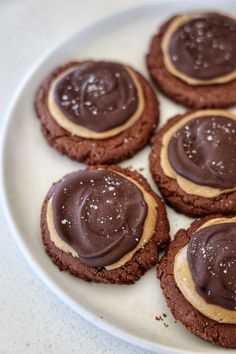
<point x="29" y="166"/>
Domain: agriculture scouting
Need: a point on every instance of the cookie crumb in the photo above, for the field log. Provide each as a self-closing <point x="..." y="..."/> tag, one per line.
<point x="159" y="318"/>
<point x="130" y="167"/>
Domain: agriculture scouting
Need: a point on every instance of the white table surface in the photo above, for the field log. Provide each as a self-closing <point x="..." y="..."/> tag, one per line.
<point x="32" y="318"/>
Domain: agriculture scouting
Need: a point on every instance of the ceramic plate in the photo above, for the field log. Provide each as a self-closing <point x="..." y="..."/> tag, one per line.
<point x="30" y="166"/>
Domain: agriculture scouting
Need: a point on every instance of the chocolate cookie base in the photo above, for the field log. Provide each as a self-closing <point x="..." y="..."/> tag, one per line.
<point x="182" y="310"/>
<point x="200" y="96"/>
<point x="130" y="272"/>
<point x="188" y="204"/>
<point x="92" y="151"/>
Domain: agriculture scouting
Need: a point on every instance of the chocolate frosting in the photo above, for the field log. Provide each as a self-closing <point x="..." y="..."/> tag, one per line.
<point x="204" y="48"/>
<point x="211" y="256"/>
<point x="97" y="95"/>
<point x="100" y="214"/>
<point x="204" y="151"/>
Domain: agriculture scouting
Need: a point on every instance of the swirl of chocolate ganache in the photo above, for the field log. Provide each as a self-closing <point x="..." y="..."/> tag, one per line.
<point x="204" y="151"/>
<point x="211" y="257"/>
<point x="100" y="214"/>
<point x="204" y="48"/>
<point x="97" y="95"/>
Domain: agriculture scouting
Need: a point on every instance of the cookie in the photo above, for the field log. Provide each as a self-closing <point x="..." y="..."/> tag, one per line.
<point x="96" y="112"/>
<point x="104" y="224"/>
<point x="192" y="60"/>
<point x="212" y="271"/>
<point x="193" y="162"/>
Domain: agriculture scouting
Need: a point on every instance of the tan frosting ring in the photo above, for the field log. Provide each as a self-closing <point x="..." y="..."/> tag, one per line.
<point x="174" y="25"/>
<point x="148" y="229"/>
<point x="185" y="184"/>
<point x="185" y="283"/>
<point x="83" y="132"/>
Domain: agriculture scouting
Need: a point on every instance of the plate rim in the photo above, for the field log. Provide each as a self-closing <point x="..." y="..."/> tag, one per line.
<point x="14" y="230"/>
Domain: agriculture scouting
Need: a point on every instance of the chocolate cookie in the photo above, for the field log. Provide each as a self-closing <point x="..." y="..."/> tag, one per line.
<point x="193" y="162"/>
<point x="104" y="224"/>
<point x="96" y="112"/>
<point x="192" y="60"/>
<point x="195" y="321"/>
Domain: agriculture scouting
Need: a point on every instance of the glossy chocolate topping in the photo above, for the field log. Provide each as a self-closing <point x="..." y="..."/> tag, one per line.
<point x="211" y="256"/>
<point x="204" y="48"/>
<point x="204" y="151"/>
<point x="100" y="214"/>
<point x="97" y="95"/>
